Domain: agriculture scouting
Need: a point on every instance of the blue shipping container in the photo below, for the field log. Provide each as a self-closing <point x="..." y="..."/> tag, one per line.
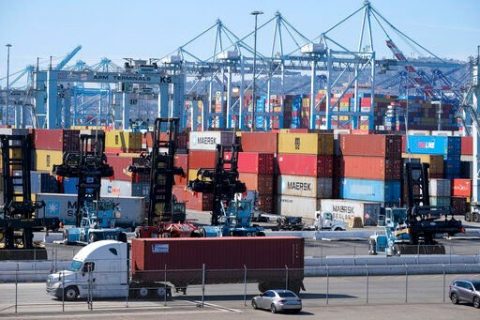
<point x="42" y="182"/>
<point x="434" y="145"/>
<point x="370" y="190"/>
<point x="70" y="185"/>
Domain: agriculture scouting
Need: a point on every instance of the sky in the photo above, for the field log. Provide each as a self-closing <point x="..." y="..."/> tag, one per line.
<point x="152" y="29"/>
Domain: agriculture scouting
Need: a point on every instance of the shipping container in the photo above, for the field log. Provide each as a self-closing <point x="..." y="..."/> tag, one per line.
<point x="439" y="188"/>
<point x="46" y="159"/>
<point x="346" y="210"/>
<point x="304" y="207"/>
<point x="262" y="183"/>
<point x="435" y="163"/>
<point x="306" y="143"/>
<point x="440" y="201"/>
<point x="461" y="188"/>
<point x="467" y="146"/>
<point x="43" y="182"/>
<point x="373" y="145"/>
<point x="266" y="259"/>
<point x="375" y="168"/>
<point x="118" y="188"/>
<point x="304" y="186"/>
<point x="265" y="142"/>
<point x="459" y="205"/>
<point x="202" y="159"/>
<point x="123" y="141"/>
<point x="64" y="206"/>
<point x="439" y="145"/>
<point x="64" y="140"/>
<point x="253" y="162"/>
<point x="70" y="185"/>
<point x="208" y="140"/>
<point x="181" y="161"/>
<point x="370" y="190"/>
<point x="120" y="165"/>
<point x="193" y="200"/>
<point x="305" y="165"/>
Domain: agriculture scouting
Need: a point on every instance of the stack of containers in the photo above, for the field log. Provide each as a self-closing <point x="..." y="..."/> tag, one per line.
<point x="448" y="147"/>
<point x="305" y="165"/>
<point x="440" y="192"/>
<point x="461" y="193"/>
<point x="202" y="154"/>
<point x="371" y="168"/>
<point x="123" y="182"/>
<point x="466" y="157"/>
<point x="435" y="163"/>
<point x="51" y="144"/>
<point x="119" y="141"/>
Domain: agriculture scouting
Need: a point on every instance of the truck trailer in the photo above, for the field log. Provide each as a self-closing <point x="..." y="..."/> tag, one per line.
<point x="152" y="267"/>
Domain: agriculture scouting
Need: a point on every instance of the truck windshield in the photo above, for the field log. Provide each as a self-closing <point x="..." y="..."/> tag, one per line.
<point x="75" y="265"/>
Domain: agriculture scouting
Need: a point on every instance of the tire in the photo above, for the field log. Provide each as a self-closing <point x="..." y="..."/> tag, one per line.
<point x="454" y="298"/>
<point x="273" y="309"/>
<point x="92" y="237"/>
<point x="468" y="216"/>
<point x="161" y="292"/>
<point x="254" y="305"/>
<point x="476" y="217"/>
<point x="476" y="302"/>
<point x="142" y="293"/>
<point x="70" y="293"/>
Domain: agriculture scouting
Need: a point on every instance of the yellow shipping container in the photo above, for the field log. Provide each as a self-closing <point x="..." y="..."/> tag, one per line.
<point x="45" y="159"/>
<point x="435" y="161"/>
<point x="192" y="175"/>
<point x="305" y="143"/>
<point x="14" y="154"/>
<point x="124" y="140"/>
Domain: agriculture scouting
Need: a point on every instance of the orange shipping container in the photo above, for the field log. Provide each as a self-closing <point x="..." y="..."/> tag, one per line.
<point x="461" y="188"/>
<point x="263" y="184"/>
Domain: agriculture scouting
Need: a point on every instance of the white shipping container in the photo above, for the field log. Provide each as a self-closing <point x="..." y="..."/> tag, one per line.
<point x="208" y="140"/>
<point x="442" y="133"/>
<point x="347" y="209"/>
<point x="304" y="207"/>
<point x="64" y="206"/>
<point x="439" y="188"/>
<point x="119" y="188"/>
<point x="303" y="186"/>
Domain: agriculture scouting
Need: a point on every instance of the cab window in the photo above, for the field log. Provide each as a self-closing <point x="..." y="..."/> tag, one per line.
<point x="88" y="267"/>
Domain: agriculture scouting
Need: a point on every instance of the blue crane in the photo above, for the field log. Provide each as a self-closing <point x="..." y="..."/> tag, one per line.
<point x="68" y="57"/>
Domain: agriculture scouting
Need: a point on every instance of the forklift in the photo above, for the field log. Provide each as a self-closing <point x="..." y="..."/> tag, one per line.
<point x="166" y="217"/>
<point x="230" y="216"/>
<point x="20" y="216"/>
<point x="411" y="229"/>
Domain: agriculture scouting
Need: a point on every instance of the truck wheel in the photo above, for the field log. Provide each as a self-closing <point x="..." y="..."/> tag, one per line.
<point x="161" y="292"/>
<point x="70" y="293"/>
<point x="476" y="217"/>
<point x="468" y="216"/>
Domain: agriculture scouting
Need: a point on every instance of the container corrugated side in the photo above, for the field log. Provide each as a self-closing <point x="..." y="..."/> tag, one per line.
<point x="375" y="168"/>
<point x="304" y="207"/>
<point x="461" y="188"/>
<point x="305" y="165"/>
<point x="373" y="145"/>
<point x="202" y="159"/>
<point x="370" y="190"/>
<point x="46" y="159"/>
<point x="306" y="143"/>
<point x="266" y="142"/>
<point x="262" y="183"/>
<point x="304" y="186"/>
<point x="347" y="209"/>
<point x="439" y="187"/>
<point x="208" y="140"/>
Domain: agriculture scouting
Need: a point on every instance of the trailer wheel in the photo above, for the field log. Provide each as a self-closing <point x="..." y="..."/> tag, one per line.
<point x="161" y="292"/>
<point x="142" y="293"/>
<point x="468" y="216"/>
<point x="476" y="217"/>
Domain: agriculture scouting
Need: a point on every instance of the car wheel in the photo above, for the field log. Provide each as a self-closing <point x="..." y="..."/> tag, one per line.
<point x="70" y="294"/>
<point x="454" y="298"/>
<point x="254" y="304"/>
<point x="273" y="308"/>
<point x="476" y="302"/>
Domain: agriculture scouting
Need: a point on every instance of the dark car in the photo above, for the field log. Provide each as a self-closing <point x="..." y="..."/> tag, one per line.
<point x="278" y="301"/>
<point x="465" y="291"/>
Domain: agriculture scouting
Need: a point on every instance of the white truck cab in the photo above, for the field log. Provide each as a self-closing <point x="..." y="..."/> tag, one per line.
<point x="325" y="221"/>
<point x="97" y="270"/>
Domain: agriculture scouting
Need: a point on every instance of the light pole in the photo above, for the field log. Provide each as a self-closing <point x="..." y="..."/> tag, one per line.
<point x="254" y="105"/>
<point x="8" y="45"/>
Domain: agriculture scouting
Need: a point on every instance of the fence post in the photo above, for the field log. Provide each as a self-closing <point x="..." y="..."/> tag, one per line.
<point x="165" y="283"/>
<point x="327" y="284"/>
<point x="63" y="290"/>
<point x="203" y="285"/>
<point x="244" y="285"/>
<point x="368" y="278"/>
<point x="443" y="288"/>
<point x="406" y="283"/>
<point x="16" y="288"/>
<point x="286" y="277"/>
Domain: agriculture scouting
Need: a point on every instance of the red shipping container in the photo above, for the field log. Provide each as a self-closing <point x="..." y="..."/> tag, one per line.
<point x="461" y="188"/>
<point x="253" y="162"/>
<point x="263" y="184"/>
<point x="467" y="146"/>
<point x="375" y="168"/>
<point x="120" y="169"/>
<point x="305" y="165"/>
<point x="193" y="200"/>
<point x="226" y="253"/>
<point x="181" y="161"/>
<point x="373" y="145"/>
<point x="57" y="139"/>
<point x="265" y="203"/>
<point x="266" y="142"/>
<point x="182" y="139"/>
<point x="202" y="159"/>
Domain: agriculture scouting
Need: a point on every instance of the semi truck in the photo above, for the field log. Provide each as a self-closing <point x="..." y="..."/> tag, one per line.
<point x="152" y="267"/>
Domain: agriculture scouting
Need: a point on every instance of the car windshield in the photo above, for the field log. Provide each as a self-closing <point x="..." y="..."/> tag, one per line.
<point x="476" y="284"/>
<point x="75" y="265"/>
<point x="286" y="294"/>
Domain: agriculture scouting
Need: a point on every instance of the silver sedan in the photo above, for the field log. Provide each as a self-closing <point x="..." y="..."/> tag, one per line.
<point x="277" y="301"/>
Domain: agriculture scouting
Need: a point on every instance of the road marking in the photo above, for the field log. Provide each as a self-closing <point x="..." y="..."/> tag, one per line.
<point x="215" y="306"/>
